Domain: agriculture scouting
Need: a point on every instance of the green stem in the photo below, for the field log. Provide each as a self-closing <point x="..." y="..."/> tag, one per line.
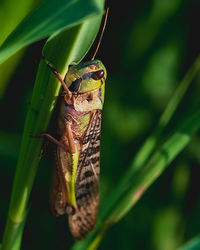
<point x="74" y="44"/>
<point x="36" y="121"/>
<point x="157" y="163"/>
<point x="124" y="197"/>
<point x="149" y="145"/>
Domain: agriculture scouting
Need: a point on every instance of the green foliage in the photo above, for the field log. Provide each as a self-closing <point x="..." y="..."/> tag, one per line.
<point x="9" y="18"/>
<point x="44" y="95"/>
<point x="147" y="49"/>
<point x="50" y="17"/>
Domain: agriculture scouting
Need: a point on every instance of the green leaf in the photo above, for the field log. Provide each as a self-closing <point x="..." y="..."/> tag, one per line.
<point x="49" y="17"/>
<point x="68" y="46"/>
<point x="133" y="185"/>
<point x="9" y="18"/>
<point x="66" y="41"/>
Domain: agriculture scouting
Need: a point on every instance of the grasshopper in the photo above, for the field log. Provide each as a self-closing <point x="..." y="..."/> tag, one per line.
<point x="75" y="185"/>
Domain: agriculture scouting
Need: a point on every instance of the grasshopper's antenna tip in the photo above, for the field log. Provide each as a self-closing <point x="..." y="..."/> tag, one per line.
<point x="104" y="25"/>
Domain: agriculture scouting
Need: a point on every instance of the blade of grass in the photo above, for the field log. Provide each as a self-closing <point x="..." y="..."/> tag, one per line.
<point x="124" y="197"/>
<point x="78" y="40"/>
<point x="149" y="145"/>
<point x="49" y="17"/>
<point x="9" y="18"/>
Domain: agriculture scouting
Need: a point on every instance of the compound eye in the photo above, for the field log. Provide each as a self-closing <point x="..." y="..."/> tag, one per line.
<point x="74" y="87"/>
<point x="97" y="75"/>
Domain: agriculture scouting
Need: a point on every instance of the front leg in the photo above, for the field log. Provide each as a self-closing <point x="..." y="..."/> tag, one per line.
<point x="55" y="72"/>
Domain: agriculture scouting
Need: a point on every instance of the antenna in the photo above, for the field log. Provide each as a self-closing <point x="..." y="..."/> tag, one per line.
<point x="104" y="25"/>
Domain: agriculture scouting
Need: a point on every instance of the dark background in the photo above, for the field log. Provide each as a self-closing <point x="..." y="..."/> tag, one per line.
<point x="147" y="48"/>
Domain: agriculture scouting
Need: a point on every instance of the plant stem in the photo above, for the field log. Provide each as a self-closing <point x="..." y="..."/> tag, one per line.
<point x="124" y="197"/>
<point x="150" y="143"/>
<point x="77" y="40"/>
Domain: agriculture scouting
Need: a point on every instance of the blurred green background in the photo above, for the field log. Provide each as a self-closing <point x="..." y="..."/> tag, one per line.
<point x="147" y="48"/>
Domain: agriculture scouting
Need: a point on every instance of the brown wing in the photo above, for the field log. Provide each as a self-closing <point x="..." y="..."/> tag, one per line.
<point x="87" y="181"/>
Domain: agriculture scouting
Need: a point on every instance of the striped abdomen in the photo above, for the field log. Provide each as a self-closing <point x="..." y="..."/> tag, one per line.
<point x="87" y="181"/>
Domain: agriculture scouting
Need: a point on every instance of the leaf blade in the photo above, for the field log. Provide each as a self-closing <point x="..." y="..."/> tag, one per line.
<point x="45" y="93"/>
<point x="47" y="18"/>
<point x="132" y="186"/>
